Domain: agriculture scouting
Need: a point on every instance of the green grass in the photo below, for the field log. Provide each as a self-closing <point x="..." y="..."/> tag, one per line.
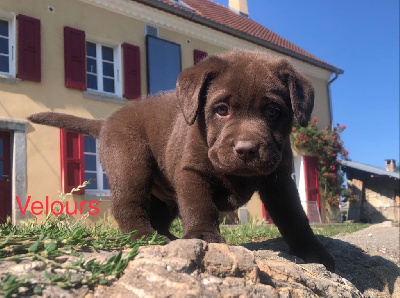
<point x="338" y="229"/>
<point x="252" y="232"/>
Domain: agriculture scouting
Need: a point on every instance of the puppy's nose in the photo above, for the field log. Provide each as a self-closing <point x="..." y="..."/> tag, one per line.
<point x="246" y="150"/>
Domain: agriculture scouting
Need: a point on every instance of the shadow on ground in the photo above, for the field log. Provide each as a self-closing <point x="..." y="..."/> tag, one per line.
<point x="369" y="274"/>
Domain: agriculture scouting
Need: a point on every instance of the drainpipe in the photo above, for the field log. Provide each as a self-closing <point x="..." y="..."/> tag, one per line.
<point x="330" y="96"/>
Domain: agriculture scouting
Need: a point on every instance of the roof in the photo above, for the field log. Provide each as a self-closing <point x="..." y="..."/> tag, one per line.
<point x="369" y="169"/>
<point x="222" y="18"/>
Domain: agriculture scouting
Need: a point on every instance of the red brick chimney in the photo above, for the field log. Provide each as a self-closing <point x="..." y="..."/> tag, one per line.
<point x="390" y="165"/>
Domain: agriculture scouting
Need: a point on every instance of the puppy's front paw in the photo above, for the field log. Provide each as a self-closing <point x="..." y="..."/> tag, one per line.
<point x="210" y="237"/>
<point x="316" y="253"/>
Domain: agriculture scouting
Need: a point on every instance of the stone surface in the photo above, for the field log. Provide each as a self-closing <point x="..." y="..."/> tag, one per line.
<point x="187" y="268"/>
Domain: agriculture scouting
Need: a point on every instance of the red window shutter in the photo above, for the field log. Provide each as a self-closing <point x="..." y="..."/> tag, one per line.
<point x="75" y="58"/>
<point x="198" y="56"/>
<point x="29" y="60"/>
<point x="72" y="160"/>
<point x="132" y="82"/>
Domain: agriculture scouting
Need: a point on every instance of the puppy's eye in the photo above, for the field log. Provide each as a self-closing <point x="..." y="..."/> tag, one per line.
<point x="222" y="110"/>
<point x="273" y="112"/>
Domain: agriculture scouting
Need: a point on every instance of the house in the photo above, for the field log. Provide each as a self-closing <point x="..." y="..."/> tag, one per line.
<point x="378" y="191"/>
<point x="91" y="57"/>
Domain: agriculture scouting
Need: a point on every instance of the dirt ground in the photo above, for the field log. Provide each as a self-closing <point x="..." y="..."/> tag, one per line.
<point x="379" y="239"/>
<point x="369" y="258"/>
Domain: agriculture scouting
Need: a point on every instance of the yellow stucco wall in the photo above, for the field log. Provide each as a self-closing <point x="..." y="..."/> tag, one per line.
<point x="20" y="99"/>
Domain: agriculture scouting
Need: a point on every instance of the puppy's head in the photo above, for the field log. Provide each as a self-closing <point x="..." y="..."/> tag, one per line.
<point x="248" y="101"/>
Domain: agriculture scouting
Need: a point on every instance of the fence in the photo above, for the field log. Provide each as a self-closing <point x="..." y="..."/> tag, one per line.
<point x="312" y="211"/>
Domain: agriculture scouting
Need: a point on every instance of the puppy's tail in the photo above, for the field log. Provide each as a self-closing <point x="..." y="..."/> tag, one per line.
<point x="89" y="127"/>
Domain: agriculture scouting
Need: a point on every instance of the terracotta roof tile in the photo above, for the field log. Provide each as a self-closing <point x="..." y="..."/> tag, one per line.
<point x="226" y="17"/>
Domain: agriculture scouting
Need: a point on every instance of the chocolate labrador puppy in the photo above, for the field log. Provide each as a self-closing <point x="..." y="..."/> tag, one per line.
<point x="207" y="147"/>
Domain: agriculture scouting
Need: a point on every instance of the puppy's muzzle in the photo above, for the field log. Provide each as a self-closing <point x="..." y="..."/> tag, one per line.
<point x="246" y="150"/>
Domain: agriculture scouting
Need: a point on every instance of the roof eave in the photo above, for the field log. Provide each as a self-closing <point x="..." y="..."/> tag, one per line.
<point x="220" y="27"/>
<point x="362" y="168"/>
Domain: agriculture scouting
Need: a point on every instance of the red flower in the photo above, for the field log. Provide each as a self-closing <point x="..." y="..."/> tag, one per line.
<point x="298" y="142"/>
<point x="304" y="142"/>
<point x="300" y="136"/>
<point x="315" y="120"/>
<point x="294" y="129"/>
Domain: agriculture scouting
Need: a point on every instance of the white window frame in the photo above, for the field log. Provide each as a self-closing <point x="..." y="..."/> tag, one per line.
<point x="117" y="66"/>
<point x="12" y="20"/>
<point x="99" y="174"/>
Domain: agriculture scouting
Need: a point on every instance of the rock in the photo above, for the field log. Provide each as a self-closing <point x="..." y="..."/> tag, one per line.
<point x="187" y="268"/>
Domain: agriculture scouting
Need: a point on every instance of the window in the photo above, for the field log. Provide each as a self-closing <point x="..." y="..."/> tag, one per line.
<point x="94" y="66"/>
<point x="102" y="68"/>
<point x="93" y="169"/>
<point x="163" y="64"/>
<point x="4" y="47"/>
<point x="29" y="51"/>
<point x="7" y="62"/>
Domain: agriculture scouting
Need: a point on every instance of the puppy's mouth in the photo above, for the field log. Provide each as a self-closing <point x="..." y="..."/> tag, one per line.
<point x="263" y="163"/>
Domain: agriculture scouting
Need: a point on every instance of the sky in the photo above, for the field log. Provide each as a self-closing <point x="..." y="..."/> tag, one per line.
<point x="360" y="37"/>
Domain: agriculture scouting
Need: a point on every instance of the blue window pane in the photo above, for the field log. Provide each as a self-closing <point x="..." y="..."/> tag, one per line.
<point x="105" y="182"/>
<point x="90" y="162"/>
<point x="164" y="64"/>
<point x="108" y="85"/>
<point x="3" y="28"/>
<point x="93" y="184"/>
<point x="89" y="144"/>
<point x="1" y="169"/>
<point x="3" y="46"/>
<point x="90" y="49"/>
<point x="1" y="148"/>
<point x="91" y="81"/>
<point x="108" y="69"/>
<point x="91" y="65"/>
<point x="4" y="64"/>
<point x="108" y="54"/>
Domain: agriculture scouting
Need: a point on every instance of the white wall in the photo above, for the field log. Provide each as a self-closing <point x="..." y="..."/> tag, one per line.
<point x="300" y="180"/>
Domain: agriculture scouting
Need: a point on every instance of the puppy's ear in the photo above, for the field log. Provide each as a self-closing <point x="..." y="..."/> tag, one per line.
<point x="193" y="83"/>
<point x="301" y="93"/>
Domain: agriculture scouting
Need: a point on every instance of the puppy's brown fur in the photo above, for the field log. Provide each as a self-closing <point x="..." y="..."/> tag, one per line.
<point x="207" y="147"/>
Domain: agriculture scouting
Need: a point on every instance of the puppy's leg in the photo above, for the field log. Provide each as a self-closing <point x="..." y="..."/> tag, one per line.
<point x="199" y="213"/>
<point x="282" y="201"/>
<point x="128" y="166"/>
<point x="161" y="217"/>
